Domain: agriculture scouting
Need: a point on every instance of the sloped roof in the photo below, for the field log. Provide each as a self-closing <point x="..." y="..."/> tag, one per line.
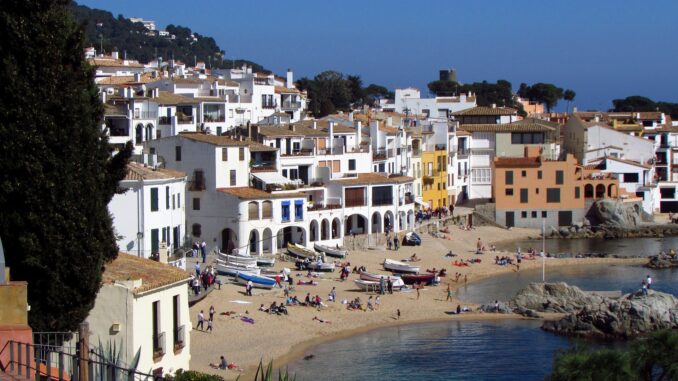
<point x="286" y="90"/>
<point x="168" y="98"/>
<point x="222" y="141"/>
<point x="153" y="274"/>
<point x="138" y="171"/>
<point x="112" y="62"/>
<point x="483" y="111"/>
<point x="114" y="110"/>
<point x="506" y="127"/>
<point x="372" y="178"/>
<point x="517" y="162"/>
<point x="272" y="131"/>
<point x="247" y="193"/>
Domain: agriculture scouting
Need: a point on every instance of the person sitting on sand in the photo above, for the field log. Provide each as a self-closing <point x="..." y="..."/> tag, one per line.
<point x="223" y="364"/>
<point x="261" y="308"/>
<point x="315" y="318"/>
<point x="307" y="300"/>
<point x="282" y="310"/>
<point x="414" y="258"/>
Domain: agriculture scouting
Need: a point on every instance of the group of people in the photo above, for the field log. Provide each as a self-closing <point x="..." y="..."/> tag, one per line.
<point x="274" y="308"/>
<point x="646" y="284"/>
<point x="210" y="321"/>
<point x="392" y="241"/>
<point x="203" y="278"/>
<point x="199" y="248"/>
<point x="503" y="260"/>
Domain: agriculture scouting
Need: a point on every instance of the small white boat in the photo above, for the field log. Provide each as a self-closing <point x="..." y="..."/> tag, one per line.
<point x="400" y="267"/>
<point x="265" y="260"/>
<point x="338" y="252"/>
<point x="229" y="268"/>
<point x="395" y="279"/>
<point x="321" y="266"/>
<point x="299" y="251"/>
<point x="367" y="285"/>
<point x="237" y="259"/>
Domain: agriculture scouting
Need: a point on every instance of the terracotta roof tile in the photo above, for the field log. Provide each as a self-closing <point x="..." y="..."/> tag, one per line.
<point x="482" y="110"/>
<point x="285" y="90"/>
<point x="517" y="162"/>
<point x="373" y="179"/>
<point x="111" y="62"/>
<point x="247" y="193"/>
<point x="127" y="267"/>
<point x="137" y="171"/>
<point x="168" y="98"/>
<point x="222" y="141"/>
<point x="506" y="127"/>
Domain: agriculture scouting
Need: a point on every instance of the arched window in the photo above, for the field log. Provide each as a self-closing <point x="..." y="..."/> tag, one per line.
<point x="267" y="209"/>
<point x="253" y="210"/>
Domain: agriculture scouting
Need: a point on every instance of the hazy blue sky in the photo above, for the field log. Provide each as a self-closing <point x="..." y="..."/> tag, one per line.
<point x="602" y="49"/>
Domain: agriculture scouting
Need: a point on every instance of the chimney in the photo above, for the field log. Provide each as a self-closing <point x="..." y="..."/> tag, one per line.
<point x="359" y="132"/>
<point x="315" y="124"/>
<point x="494" y="105"/>
<point x="350" y="116"/>
<point x="114" y="54"/>
<point x="290" y="79"/>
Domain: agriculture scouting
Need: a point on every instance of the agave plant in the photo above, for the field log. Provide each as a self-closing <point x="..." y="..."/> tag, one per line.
<point x="266" y="374"/>
<point x="112" y="356"/>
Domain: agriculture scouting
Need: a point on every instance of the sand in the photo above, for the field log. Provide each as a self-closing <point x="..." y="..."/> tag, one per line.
<point x="284" y="338"/>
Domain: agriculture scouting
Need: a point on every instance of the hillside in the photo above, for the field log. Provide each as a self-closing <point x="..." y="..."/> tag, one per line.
<point x="132" y="38"/>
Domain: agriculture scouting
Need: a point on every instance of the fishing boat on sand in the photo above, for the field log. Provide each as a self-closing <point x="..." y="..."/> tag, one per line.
<point x="421" y="278"/>
<point x="299" y="251"/>
<point x="400" y="267"/>
<point x="321" y="266"/>
<point x="396" y="280"/>
<point x="338" y="252"/>
<point x="229" y="268"/>
<point x="367" y="285"/>
<point x="257" y="280"/>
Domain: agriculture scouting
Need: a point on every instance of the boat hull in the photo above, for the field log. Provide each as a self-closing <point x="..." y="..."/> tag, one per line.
<point x="423" y="278"/>
<point x="258" y="281"/>
<point x="400" y="267"/>
<point x="299" y="252"/>
<point x="332" y="252"/>
<point x="230" y="269"/>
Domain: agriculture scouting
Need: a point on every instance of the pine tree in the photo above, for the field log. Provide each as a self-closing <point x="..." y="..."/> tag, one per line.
<point x="57" y="174"/>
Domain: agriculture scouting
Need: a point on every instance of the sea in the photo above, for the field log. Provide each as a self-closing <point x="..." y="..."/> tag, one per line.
<point x="481" y="350"/>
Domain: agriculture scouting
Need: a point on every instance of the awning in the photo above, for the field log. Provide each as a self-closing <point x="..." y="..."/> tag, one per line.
<point x="272" y="178"/>
<point x="421" y="202"/>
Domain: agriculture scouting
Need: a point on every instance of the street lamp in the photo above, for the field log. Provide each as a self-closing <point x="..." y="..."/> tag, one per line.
<point x="140" y="236"/>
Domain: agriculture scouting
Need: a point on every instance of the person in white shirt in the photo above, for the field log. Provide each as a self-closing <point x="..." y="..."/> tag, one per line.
<point x="648" y="280"/>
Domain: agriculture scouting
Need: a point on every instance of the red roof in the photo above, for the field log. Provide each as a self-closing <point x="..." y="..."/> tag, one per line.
<point x="517" y="162"/>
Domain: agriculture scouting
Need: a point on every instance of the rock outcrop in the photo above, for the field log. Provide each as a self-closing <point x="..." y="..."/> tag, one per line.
<point x="661" y="262"/>
<point x="595" y="316"/>
<point x="615" y="213"/>
<point x="497" y="308"/>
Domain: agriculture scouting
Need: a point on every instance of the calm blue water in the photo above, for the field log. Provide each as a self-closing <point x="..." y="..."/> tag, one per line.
<point x="623" y="247"/>
<point x="456" y="350"/>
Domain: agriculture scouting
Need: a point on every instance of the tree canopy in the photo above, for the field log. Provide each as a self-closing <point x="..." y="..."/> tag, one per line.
<point x="546" y="93"/>
<point x="121" y="33"/>
<point x="637" y="103"/>
<point x="651" y="358"/>
<point x="57" y="174"/>
<point x="331" y="91"/>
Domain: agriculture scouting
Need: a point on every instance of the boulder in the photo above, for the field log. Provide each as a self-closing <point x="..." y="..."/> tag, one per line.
<point x="661" y="262"/>
<point x="553" y="297"/>
<point x="615" y="213"/>
<point x="497" y="308"/>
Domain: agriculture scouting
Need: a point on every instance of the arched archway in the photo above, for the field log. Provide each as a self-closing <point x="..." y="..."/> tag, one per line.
<point x="149" y="132"/>
<point x="254" y="242"/>
<point x="389" y="221"/>
<point x="324" y="230"/>
<point x="600" y="191"/>
<point x="139" y="134"/>
<point x="253" y="210"/>
<point x="356" y="224"/>
<point x="291" y="234"/>
<point x="376" y="225"/>
<point x="313" y="233"/>
<point x="336" y="228"/>
<point x="410" y="219"/>
<point x="588" y="191"/>
<point x="229" y="240"/>
<point x="611" y="191"/>
<point x="267" y="241"/>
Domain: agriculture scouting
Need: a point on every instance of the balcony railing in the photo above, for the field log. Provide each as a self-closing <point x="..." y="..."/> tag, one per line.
<point x="416" y="153"/>
<point x="166" y="120"/>
<point x="214" y="118"/>
<point x="145" y="114"/>
<point x="379" y="154"/>
<point x="184" y="119"/>
<point x="318" y="207"/>
<point x="301" y="152"/>
<point x="159" y="345"/>
<point x="263" y="168"/>
<point x="179" y="337"/>
<point x="197" y="185"/>
<point x="291" y="105"/>
<point x="269" y="105"/>
<point x="333" y="151"/>
<point x="462" y="152"/>
<point x="382" y="201"/>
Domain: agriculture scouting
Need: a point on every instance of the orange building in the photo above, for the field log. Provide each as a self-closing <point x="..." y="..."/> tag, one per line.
<point x="528" y="189"/>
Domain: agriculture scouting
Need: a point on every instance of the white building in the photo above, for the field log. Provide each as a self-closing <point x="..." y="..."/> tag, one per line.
<point x="409" y="100"/>
<point x="151" y="210"/>
<point x="634" y="178"/>
<point x="142" y="306"/>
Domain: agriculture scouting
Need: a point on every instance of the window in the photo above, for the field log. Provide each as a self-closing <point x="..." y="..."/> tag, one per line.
<point x="177" y="153"/>
<point x="298" y="210"/>
<point x="155" y="241"/>
<point x="630" y="177"/>
<point x="179" y="200"/>
<point x="539" y="175"/>
<point x="509" y="177"/>
<point x="167" y="198"/>
<point x="534" y="214"/>
<point x="544" y="214"/>
<point x="577" y="192"/>
<point x="553" y="195"/>
<point x="157" y="345"/>
<point x="154" y="199"/>
<point x="523" y="173"/>
<point x="196" y="230"/>
<point x="536" y="190"/>
<point x="196" y="204"/>
<point x="527" y="138"/>
<point x="481" y="175"/>
<point x="523" y="195"/>
<point x="241" y="153"/>
<point x="508" y="191"/>
<point x="175" y="320"/>
<point x="351" y="165"/>
<point x="523" y="214"/>
<point x="667" y="192"/>
<point x="224" y="153"/>
<point x="232" y="177"/>
<point x="559" y="177"/>
<point x="174" y="201"/>
<point x="285" y="209"/>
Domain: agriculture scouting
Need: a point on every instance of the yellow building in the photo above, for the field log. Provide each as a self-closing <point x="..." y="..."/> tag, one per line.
<point x="434" y="177"/>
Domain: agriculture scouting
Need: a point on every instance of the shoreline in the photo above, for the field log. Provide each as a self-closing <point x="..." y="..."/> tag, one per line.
<point x="284" y="339"/>
<point x="300" y="349"/>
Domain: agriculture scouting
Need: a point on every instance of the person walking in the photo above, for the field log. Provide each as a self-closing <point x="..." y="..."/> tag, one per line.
<point x="197" y="270"/>
<point x="201" y="321"/>
<point x="389" y="284"/>
<point x="381" y="285"/>
<point x="377" y="302"/>
<point x="644" y="288"/>
<point x="648" y="280"/>
<point x="209" y="325"/>
<point x="212" y="312"/>
<point x="333" y="295"/>
<point x="248" y="288"/>
<point x="203" y="251"/>
<point x="449" y="293"/>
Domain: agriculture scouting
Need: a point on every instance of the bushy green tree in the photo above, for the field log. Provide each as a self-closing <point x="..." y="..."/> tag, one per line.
<point x="56" y="170"/>
<point x="569" y="95"/>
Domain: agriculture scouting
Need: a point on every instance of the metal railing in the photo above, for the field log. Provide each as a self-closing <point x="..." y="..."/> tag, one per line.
<point x="197" y="185"/>
<point x="145" y="114"/>
<point x="269" y="105"/>
<point x="291" y="105"/>
<point x="184" y="119"/>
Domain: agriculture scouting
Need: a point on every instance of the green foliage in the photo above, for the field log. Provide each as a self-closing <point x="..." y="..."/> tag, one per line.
<point x="545" y="93"/>
<point x="129" y="37"/>
<point x="56" y="170"/>
<point x="569" y="95"/>
<point x="651" y="358"/>
<point x="444" y="88"/>
<point x="267" y="374"/>
<point x="637" y="103"/>
<point x="486" y="93"/>
<point x="192" y="375"/>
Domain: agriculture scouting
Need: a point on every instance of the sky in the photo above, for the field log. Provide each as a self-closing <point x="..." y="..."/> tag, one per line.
<point x="601" y="49"/>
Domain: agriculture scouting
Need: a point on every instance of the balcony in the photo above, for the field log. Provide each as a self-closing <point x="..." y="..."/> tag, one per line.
<point x="289" y="105"/>
<point x="333" y="151"/>
<point x="211" y="118"/>
<point x="179" y="338"/>
<point x="263" y="168"/>
<point x="416" y="153"/>
<point x="463" y="152"/>
<point x="197" y="185"/>
<point x="145" y="114"/>
<point x="441" y="147"/>
<point x="159" y="346"/>
<point x="379" y="154"/>
<point x="319" y="207"/>
<point x="301" y="152"/>
<point x="184" y="119"/>
<point x="269" y="105"/>
<point x="165" y="120"/>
